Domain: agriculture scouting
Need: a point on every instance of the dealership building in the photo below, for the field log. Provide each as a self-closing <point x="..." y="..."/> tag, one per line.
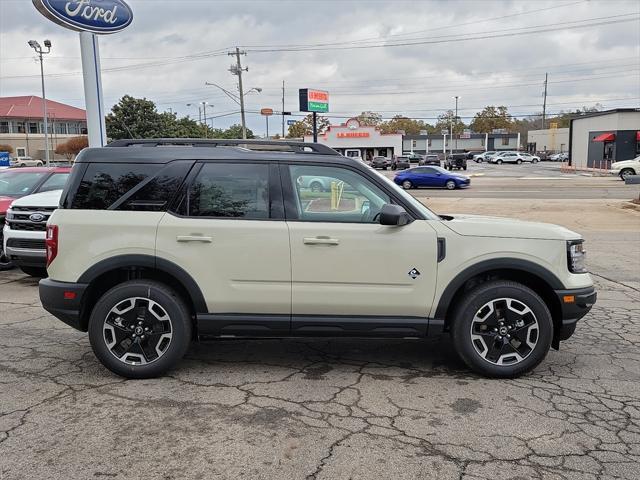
<point x="598" y="139"/>
<point x="552" y="140"/>
<point x="22" y="125"/>
<point x="369" y="141"/>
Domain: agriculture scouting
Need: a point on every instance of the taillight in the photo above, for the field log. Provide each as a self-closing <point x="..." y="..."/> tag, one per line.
<point x="52" y="243"/>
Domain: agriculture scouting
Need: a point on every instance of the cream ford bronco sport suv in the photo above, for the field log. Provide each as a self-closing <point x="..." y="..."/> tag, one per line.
<point x="160" y="242"/>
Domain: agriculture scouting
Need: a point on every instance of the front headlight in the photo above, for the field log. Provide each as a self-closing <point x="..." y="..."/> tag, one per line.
<point x="576" y="256"/>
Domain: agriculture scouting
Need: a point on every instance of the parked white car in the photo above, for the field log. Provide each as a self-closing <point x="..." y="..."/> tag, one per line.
<point x="25" y="229"/>
<point x="626" y="168"/>
<point x="559" y="157"/>
<point x="484" y="157"/>
<point x="509" y="157"/>
<point x="25" y="162"/>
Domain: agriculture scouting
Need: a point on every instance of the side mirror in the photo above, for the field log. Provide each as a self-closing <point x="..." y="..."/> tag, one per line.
<point x="394" y="215"/>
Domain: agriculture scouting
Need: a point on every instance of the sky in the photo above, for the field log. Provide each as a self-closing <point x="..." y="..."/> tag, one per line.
<point x="392" y="57"/>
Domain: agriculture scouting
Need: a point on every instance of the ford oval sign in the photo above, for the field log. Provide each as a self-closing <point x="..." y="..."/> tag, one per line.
<point x="95" y="16"/>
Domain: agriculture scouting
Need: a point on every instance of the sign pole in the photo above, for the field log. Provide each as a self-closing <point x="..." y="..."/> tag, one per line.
<point x="315" y="127"/>
<point x="94" y="100"/>
<point x="267" y="117"/>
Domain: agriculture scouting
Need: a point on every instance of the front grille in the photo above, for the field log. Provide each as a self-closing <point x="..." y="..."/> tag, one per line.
<point x="27" y="226"/>
<point x="32" y="209"/>
<point x="26" y="243"/>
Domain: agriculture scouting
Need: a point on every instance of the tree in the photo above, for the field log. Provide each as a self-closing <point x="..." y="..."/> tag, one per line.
<point x="491" y="118"/>
<point x="369" y="119"/>
<point x="446" y="121"/>
<point x="6" y="148"/>
<point x="305" y="126"/>
<point x="400" y="123"/>
<point x="72" y="147"/>
<point x="234" y="131"/>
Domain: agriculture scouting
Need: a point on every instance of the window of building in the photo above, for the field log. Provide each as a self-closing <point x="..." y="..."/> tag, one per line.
<point x="21" y="152"/>
<point x="227" y="190"/>
<point x="33" y="127"/>
<point x="414" y="143"/>
<point x="4" y="127"/>
<point x="482" y="142"/>
<point x="61" y="128"/>
<point x="73" y="128"/>
<point x="505" y="140"/>
<point x="334" y="194"/>
<point x="18" y="127"/>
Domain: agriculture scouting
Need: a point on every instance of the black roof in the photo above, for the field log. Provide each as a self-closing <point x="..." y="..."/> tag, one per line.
<point x="163" y="150"/>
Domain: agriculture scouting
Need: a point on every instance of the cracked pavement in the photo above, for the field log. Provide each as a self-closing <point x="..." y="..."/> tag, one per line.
<point x="323" y="408"/>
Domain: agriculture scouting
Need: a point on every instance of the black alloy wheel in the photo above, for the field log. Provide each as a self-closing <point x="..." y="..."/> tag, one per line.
<point x="140" y="329"/>
<point x="502" y="329"/>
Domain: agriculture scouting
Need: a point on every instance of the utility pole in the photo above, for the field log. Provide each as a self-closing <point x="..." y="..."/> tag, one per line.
<point x="204" y="114"/>
<point x="237" y="70"/>
<point x="544" y="103"/>
<point x="456" y="119"/>
<point x="282" y="108"/>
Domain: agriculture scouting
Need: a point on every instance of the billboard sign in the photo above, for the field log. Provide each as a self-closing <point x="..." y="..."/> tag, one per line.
<point x="94" y="16"/>
<point x="314" y="100"/>
<point x="266" y="111"/>
<point x="4" y="159"/>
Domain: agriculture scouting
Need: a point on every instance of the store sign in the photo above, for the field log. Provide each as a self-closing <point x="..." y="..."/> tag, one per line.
<point x="4" y="159"/>
<point x="313" y="100"/>
<point x="266" y="111"/>
<point x="352" y="134"/>
<point x="94" y="16"/>
<point x="291" y="122"/>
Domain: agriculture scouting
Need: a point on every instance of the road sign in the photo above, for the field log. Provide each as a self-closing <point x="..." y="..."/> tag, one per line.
<point x="444" y="132"/>
<point x="266" y="111"/>
<point x="291" y="122"/>
<point x="313" y="100"/>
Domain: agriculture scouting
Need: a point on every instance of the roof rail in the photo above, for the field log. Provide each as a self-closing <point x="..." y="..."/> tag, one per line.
<point x="253" y="144"/>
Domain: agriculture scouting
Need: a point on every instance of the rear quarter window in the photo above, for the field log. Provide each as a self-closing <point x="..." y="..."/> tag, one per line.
<point x="104" y="183"/>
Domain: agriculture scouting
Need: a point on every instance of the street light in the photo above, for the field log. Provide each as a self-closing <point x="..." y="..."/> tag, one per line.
<point x="239" y="100"/>
<point x="36" y="46"/>
<point x="456" y="117"/>
<point x="202" y="113"/>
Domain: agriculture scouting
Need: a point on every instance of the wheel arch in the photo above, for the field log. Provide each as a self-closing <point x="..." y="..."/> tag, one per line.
<point x="530" y="274"/>
<point x="109" y="272"/>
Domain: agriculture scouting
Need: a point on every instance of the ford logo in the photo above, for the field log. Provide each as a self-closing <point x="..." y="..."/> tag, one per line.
<point x="95" y="16"/>
<point x="37" y="217"/>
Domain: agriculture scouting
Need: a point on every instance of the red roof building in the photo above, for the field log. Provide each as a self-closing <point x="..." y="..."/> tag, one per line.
<point x="30" y="106"/>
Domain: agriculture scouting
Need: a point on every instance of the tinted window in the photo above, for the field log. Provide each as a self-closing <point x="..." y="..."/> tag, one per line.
<point x="334" y="194"/>
<point x="104" y="183"/>
<point x="15" y="183"/>
<point x="158" y="192"/>
<point x="54" y="182"/>
<point x="230" y="190"/>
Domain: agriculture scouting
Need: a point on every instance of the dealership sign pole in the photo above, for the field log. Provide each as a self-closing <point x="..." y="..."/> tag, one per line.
<point x="90" y="18"/>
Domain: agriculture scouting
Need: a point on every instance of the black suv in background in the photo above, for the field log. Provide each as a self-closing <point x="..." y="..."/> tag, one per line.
<point x="457" y="161"/>
<point x="430" y="159"/>
<point x="381" y="162"/>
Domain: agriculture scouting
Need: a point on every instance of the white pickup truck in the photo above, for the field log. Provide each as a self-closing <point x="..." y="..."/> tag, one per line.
<point x="25" y="229"/>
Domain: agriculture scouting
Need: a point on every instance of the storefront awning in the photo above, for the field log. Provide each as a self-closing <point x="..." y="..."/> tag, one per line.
<point x="605" y="137"/>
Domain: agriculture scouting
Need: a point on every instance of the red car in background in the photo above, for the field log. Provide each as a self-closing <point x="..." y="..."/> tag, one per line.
<point x="19" y="182"/>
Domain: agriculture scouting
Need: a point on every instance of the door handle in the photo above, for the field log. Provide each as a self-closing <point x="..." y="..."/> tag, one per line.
<point x="321" y="241"/>
<point x="194" y="238"/>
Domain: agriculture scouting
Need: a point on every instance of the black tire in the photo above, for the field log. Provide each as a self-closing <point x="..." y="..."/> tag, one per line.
<point x="464" y="168"/>
<point x="384" y="168"/>
<point x="477" y="300"/>
<point x="393" y="167"/>
<point x="5" y="263"/>
<point x="39" y="164"/>
<point x="37" y="272"/>
<point x="535" y="160"/>
<point x="407" y="185"/>
<point x="180" y="327"/>
<point x="316" y="187"/>
<point x="625" y="172"/>
<point x="450" y="185"/>
<point x="518" y="161"/>
<point x="499" y="162"/>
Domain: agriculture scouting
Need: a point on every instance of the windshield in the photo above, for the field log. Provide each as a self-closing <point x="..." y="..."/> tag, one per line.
<point x="407" y="197"/>
<point x="16" y="184"/>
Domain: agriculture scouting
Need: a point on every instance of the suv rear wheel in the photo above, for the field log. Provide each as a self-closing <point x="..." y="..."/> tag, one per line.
<point x="140" y="329"/>
<point x="626" y="172"/>
<point x="502" y="329"/>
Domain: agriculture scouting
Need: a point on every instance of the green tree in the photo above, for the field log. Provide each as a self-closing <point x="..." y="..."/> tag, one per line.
<point x="369" y="119"/>
<point x="446" y="121"/>
<point x="234" y="131"/>
<point x="491" y="118"/>
<point x="305" y="126"/>
<point x="409" y="126"/>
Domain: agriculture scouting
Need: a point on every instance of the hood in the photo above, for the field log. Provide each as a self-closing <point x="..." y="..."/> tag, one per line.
<point x="625" y="163"/>
<point x="4" y="203"/>
<point x="480" y="226"/>
<point x="44" y="199"/>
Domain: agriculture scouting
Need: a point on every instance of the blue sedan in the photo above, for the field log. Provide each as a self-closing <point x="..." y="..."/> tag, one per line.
<point x="430" y="177"/>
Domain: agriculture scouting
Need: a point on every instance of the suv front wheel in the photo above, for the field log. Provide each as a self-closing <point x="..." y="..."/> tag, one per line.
<point x="502" y="329"/>
<point x="140" y="329"/>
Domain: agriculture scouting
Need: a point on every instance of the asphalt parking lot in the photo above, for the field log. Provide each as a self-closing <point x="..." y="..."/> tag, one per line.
<point x="334" y="408"/>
